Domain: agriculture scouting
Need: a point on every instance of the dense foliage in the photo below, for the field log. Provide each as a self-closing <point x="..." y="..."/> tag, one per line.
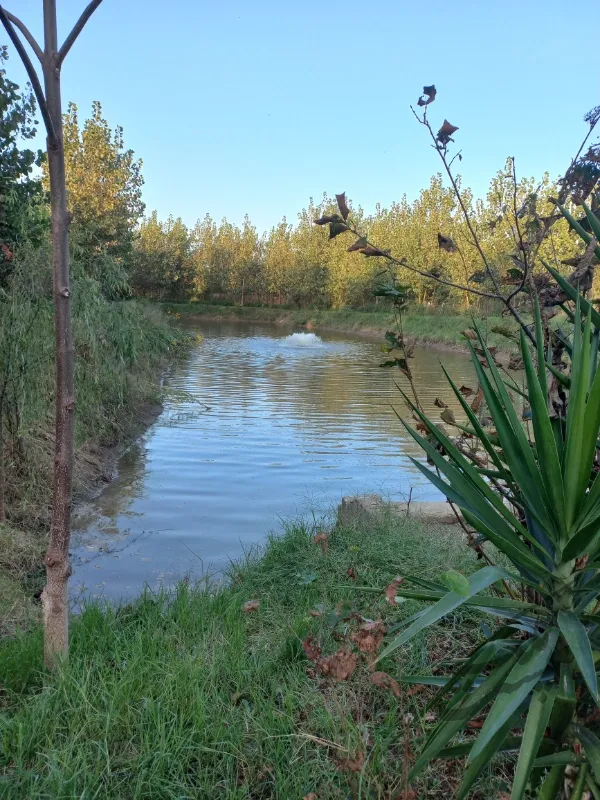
<point x="118" y="341"/>
<point x="295" y="264"/>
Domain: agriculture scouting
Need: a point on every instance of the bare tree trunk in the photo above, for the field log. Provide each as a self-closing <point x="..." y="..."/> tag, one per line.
<point x="58" y="568"/>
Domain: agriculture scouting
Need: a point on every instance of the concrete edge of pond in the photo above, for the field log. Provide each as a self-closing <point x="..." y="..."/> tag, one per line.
<point x="354" y="507"/>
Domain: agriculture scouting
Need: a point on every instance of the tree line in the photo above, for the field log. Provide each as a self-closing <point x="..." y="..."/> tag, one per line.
<point x="295" y="264"/>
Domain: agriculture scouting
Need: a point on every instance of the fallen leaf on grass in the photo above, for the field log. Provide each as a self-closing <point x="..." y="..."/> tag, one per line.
<point x="392" y="590"/>
<point x="250" y="606"/>
<point x="351" y="764"/>
<point x="322" y="538"/>
<point x="311" y="648"/>
<point x="385" y="681"/>
<point x="310" y="796"/>
<point x="340" y="665"/>
<point x="368" y="637"/>
<point x="351" y="574"/>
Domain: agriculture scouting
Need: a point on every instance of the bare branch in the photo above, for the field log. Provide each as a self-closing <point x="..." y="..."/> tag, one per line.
<point x="31" y="73"/>
<point x="421" y="272"/>
<point x="77" y="28"/>
<point x="27" y="34"/>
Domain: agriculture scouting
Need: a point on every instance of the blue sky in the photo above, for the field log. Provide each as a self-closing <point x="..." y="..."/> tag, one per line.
<point x="254" y="107"/>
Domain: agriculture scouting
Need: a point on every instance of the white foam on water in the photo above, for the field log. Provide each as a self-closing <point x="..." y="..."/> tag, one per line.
<point x="303" y="340"/>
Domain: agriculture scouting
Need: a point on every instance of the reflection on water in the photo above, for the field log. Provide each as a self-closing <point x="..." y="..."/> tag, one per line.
<point x="259" y="425"/>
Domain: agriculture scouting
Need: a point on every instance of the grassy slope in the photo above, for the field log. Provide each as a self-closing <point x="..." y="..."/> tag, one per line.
<point x="195" y="699"/>
<point x="443" y="328"/>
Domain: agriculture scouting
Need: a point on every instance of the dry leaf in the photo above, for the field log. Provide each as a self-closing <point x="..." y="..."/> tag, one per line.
<point x="428" y="96"/>
<point x="446" y="243"/>
<point x="466" y="391"/>
<point x="445" y="132"/>
<point x="469" y="333"/>
<point x="327" y="218"/>
<point x="340" y="665"/>
<point x="369" y="250"/>
<point x="342" y="205"/>
<point x="322" y="538"/>
<point x="310" y="796"/>
<point x="251" y="605"/>
<point x="314" y="613"/>
<point x="448" y="416"/>
<point x="335" y="228"/>
<point x="392" y="590"/>
<point x="440" y="403"/>
<point x="385" y="681"/>
<point x="358" y="246"/>
<point x="351" y="574"/>
<point x="311" y="648"/>
<point x="351" y="764"/>
<point x="368" y="637"/>
<point x="422" y="427"/>
<point x="476" y="404"/>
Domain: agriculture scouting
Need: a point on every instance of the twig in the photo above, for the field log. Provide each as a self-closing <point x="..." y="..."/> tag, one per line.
<point x="32" y="75"/>
<point x="77" y="28"/>
<point x="27" y="34"/>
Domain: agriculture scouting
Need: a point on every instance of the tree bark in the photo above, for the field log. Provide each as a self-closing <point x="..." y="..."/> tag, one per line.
<point x="58" y="568"/>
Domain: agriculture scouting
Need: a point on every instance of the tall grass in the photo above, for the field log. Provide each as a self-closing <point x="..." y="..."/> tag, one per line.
<point x="185" y="696"/>
<point x="119" y="347"/>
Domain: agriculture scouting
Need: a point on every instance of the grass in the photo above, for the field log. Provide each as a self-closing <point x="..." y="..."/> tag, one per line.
<point x="186" y="696"/>
<point x="441" y="328"/>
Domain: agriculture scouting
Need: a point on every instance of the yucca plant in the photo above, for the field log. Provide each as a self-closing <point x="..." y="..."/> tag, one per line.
<point x="535" y="678"/>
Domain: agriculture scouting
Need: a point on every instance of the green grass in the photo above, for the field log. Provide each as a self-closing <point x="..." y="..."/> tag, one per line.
<point x="441" y="328"/>
<point x="188" y="697"/>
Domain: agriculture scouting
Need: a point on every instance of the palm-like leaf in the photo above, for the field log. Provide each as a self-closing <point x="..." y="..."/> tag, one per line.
<point x="541" y="670"/>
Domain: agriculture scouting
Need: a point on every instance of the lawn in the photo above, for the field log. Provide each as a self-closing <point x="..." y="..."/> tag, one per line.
<point x="189" y="696"/>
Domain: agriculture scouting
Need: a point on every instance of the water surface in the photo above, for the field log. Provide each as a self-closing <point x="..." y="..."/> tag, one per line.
<point x="261" y="424"/>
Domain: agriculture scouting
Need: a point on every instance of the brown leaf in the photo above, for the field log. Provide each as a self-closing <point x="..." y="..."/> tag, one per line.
<point x="250" y="606"/>
<point x="342" y="205"/>
<point x="340" y="665"/>
<point x="428" y="96"/>
<point x="469" y="333"/>
<point x="476" y="404"/>
<point x="392" y="590"/>
<point x="422" y="427"/>
<point x="446" y="243"/>
<point x="448" y="416"/>
<point x="310" y="796"/>
<point x="385" y="681"/>
<point x="369" y="250"/>
<point x="327" y="218"/>
<point x="351" y="764"/>
<point x="466" y="391"/>
<point x="311" y="648"/>
<point x="351" y="574"/>
<point x="445" y="132"/>
<point x="368" y="637"/>
<point x="323" y="538"/>
<point x="440" y="403"/>
<point x="335" y="228"/>
<point x="314" y="613"/>
<point x="358" y="246"/>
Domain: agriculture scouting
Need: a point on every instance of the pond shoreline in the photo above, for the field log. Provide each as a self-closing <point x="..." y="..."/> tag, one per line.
<point x="440" y="332"/>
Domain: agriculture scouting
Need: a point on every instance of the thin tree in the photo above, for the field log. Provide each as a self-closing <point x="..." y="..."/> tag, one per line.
<point x="58" y="568"/>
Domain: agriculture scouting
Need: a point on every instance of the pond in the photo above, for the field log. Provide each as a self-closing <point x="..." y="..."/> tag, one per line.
<point x="260" y="425"/>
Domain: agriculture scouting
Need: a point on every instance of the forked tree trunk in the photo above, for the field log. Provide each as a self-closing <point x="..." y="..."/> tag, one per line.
<point x="58" y="568"/>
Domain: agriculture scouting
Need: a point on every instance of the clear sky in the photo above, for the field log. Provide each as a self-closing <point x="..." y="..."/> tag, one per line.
<point x="238" y="106"/>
